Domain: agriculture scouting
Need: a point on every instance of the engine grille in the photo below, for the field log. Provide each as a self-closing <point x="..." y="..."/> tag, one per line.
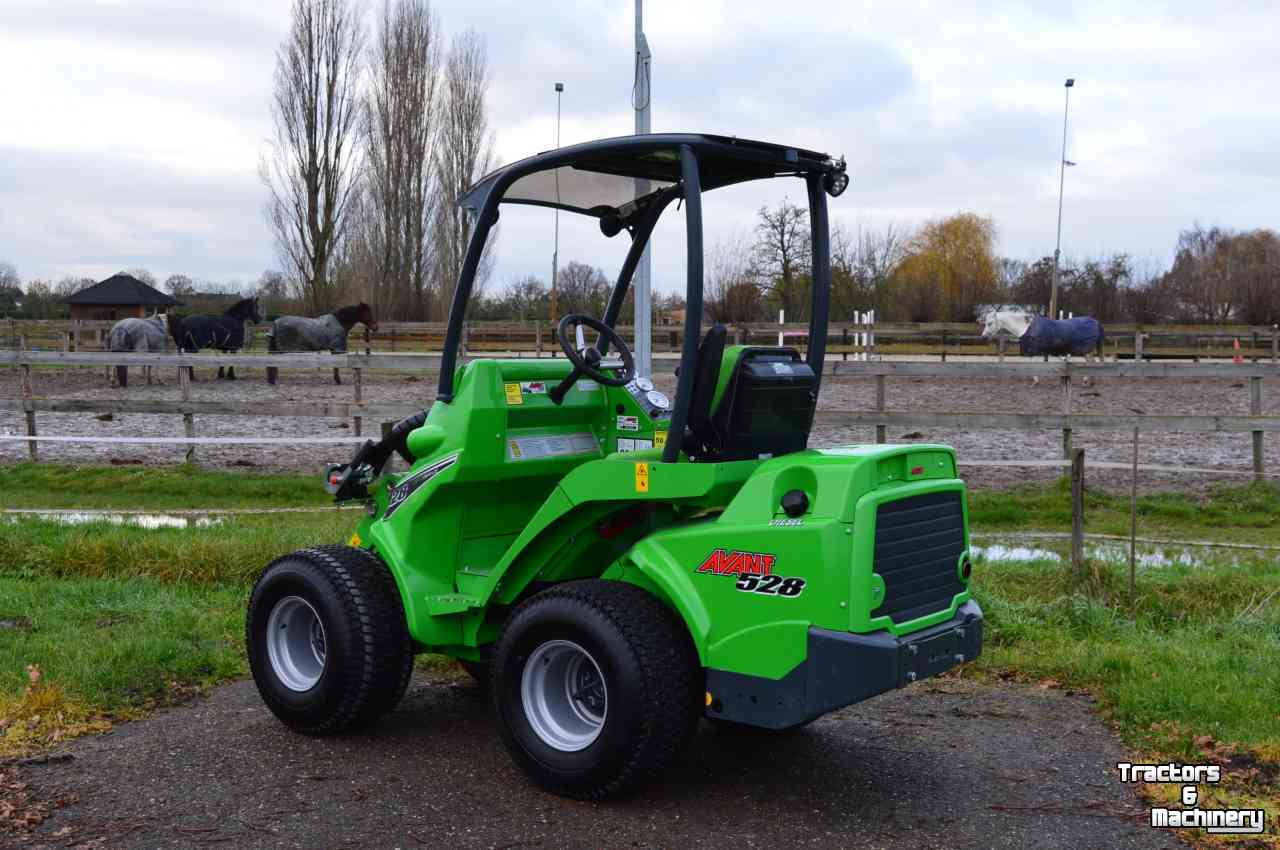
<point x="918" y="545"/>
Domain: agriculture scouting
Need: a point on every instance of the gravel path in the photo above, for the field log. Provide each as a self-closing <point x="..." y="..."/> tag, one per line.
<point x="1112" y="396"/>
<point x="947" y="763"/>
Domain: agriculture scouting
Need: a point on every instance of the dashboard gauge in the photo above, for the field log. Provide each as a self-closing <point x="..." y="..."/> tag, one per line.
<point x="644" y="384"/>
<point x="657" y="399"/>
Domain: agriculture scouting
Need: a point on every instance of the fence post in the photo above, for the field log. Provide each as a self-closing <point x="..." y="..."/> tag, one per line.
<point x="26" y="397"/>
<point x="1077" y="513"/>
<point x="844" y="343"/>
<point x="359" y="395"/>
<point x="76" y="333"/>
<point x="1066" y="411"/>
<point x="944" y="346"/>
<point x="1133" y="528"/>
<point x="188" y="418"/>
<point x="1275" y="343"/>
<point x="1004" y="343"/>
<point x="1255" y="409"/>
<point x="880" y="406"/>
<point x="537" y="336"/>
<point x="1137" y="346"/>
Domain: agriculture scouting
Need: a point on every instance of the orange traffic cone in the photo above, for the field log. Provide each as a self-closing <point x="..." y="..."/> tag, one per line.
<point x="1237" y="358"/>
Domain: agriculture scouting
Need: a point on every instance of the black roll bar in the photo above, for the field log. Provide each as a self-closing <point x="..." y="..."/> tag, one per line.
<point x="644" y="229"/>
<point x="693" y="302"/>
<point x="462" y="295"/>
<point x="820" y="291"/>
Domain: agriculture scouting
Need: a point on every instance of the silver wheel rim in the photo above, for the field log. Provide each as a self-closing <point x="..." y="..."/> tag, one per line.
<point x="296" y="643"/>
<point x="564" y="695"/>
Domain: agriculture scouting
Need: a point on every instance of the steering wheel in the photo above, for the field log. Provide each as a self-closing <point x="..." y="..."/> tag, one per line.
<point x="587" y="360"/>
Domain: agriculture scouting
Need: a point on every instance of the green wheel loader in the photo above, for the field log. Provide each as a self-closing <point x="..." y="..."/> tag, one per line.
<point x="614" y="564"/>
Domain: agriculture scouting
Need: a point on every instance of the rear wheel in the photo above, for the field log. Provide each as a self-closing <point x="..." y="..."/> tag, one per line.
<point x="327" y="640"/>
<point x="595" y="687"/>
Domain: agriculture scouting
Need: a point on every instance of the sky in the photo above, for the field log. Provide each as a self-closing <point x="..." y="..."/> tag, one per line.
<point x="131" y="132"/>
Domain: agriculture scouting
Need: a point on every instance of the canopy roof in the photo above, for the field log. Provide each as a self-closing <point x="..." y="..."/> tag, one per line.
<point x="598" y="178"/>
<point x="122" y="289"/>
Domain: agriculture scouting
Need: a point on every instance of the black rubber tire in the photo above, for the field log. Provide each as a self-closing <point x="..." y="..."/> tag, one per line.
<point x="369" y="656"/>
<point x="651" y="674"/>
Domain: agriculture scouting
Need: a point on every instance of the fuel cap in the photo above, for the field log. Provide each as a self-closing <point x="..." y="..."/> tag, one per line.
<point x="795" y="503"/>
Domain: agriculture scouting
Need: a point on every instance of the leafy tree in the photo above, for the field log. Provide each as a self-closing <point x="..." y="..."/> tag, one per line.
<point x="949" y="269"/>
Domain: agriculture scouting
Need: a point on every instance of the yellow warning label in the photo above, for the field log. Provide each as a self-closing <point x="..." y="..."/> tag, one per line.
<point x="659" y="439"/>
<point x="642" y="478"/>
<point x="513" y="394"/>
<point x="516" y="454"/>
<point x="355" y="540"/>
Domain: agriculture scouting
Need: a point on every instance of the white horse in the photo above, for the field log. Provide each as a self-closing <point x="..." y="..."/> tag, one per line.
<point x="1006" y="320"/>
<point x="1011" y="322"/>
<point x="133" y="334"/>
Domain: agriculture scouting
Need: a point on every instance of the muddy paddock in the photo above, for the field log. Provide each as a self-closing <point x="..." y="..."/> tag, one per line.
<point x="1227" y="451"/>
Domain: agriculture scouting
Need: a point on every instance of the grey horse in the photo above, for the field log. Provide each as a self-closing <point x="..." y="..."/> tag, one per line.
<point x="149" y="334"/>
<point x="323" y="333"/>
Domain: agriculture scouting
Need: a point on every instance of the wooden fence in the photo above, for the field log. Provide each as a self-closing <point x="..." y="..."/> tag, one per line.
<point x="1068" y="374"/>
<point x="845" y="339"/>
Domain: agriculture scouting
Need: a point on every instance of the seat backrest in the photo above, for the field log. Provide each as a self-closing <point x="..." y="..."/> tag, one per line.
<point x="767" y="406"/>
<point x="702" y="434"/>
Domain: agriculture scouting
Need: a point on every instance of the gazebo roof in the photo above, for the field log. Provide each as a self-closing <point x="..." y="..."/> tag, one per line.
<point x="122" y="289"/>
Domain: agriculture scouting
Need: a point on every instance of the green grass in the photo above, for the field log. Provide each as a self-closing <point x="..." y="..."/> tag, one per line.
<point x="231" y="552"/>
<point x="31" y="485"/>
<point x="122" y="642"/>
<point x="1242" y="514"/>
<point x="1200" y="656"/>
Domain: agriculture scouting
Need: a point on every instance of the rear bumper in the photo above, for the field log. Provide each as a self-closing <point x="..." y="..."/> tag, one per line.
<point x="843" y="668"/>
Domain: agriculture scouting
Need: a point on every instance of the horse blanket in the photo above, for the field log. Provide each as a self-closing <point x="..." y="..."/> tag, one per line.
<point x="1061" y="336"/>
<point x="298" y="333"/>
<point x="137" y="335"/>
<point x="224" y="333"/>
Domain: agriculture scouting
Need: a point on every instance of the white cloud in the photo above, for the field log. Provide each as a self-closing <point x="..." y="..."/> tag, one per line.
<point x="133" y="129"/>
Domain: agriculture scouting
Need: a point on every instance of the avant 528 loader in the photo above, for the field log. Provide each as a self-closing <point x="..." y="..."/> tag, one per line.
<point x="615" y="564"/>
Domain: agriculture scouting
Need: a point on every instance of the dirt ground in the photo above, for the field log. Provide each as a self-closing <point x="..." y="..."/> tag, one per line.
<point x="947" y="763"/>
<point x="1113" y="396"/>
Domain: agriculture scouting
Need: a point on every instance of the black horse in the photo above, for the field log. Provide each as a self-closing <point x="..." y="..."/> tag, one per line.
<point x="224" y="333"/>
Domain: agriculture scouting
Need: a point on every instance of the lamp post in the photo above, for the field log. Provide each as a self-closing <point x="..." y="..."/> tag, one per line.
<point x="555" y="251"/>
<point x="1062" y="173"/>
<point x="640" y="97"/>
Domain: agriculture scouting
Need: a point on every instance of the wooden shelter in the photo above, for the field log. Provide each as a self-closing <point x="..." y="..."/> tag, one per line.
<point x="119" y="296"/>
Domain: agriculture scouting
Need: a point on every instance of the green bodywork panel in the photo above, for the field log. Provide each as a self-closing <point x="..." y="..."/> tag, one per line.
<point x="517" y="493"/>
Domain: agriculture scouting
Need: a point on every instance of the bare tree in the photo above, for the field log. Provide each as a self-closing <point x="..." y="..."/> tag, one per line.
<point x="781" y="256"/>
<point x="313" y="161"/>
<point x="732" y="296"/>
<point x="179" y="286"/>
<point x="399" y="126"/>
<point x="143" y="275"/>
<point x="464" y="152"/>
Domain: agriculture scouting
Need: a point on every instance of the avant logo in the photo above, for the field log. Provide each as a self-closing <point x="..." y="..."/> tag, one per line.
<point x="397" y="495"/>
<point x="736" y="563"/>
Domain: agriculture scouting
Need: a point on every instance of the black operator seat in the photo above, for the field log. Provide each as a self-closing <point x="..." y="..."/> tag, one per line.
<point x="766" y="410"/>
<point x="701" y="439"/>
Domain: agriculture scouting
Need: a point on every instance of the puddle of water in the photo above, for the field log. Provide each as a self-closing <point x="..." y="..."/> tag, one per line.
<point x="1117" y="553"/>
<point x="136" y="520"/>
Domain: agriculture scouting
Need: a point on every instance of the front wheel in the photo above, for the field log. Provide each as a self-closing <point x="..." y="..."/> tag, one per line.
<point x="327" y="640"/>
<point x="596" y="688"/>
